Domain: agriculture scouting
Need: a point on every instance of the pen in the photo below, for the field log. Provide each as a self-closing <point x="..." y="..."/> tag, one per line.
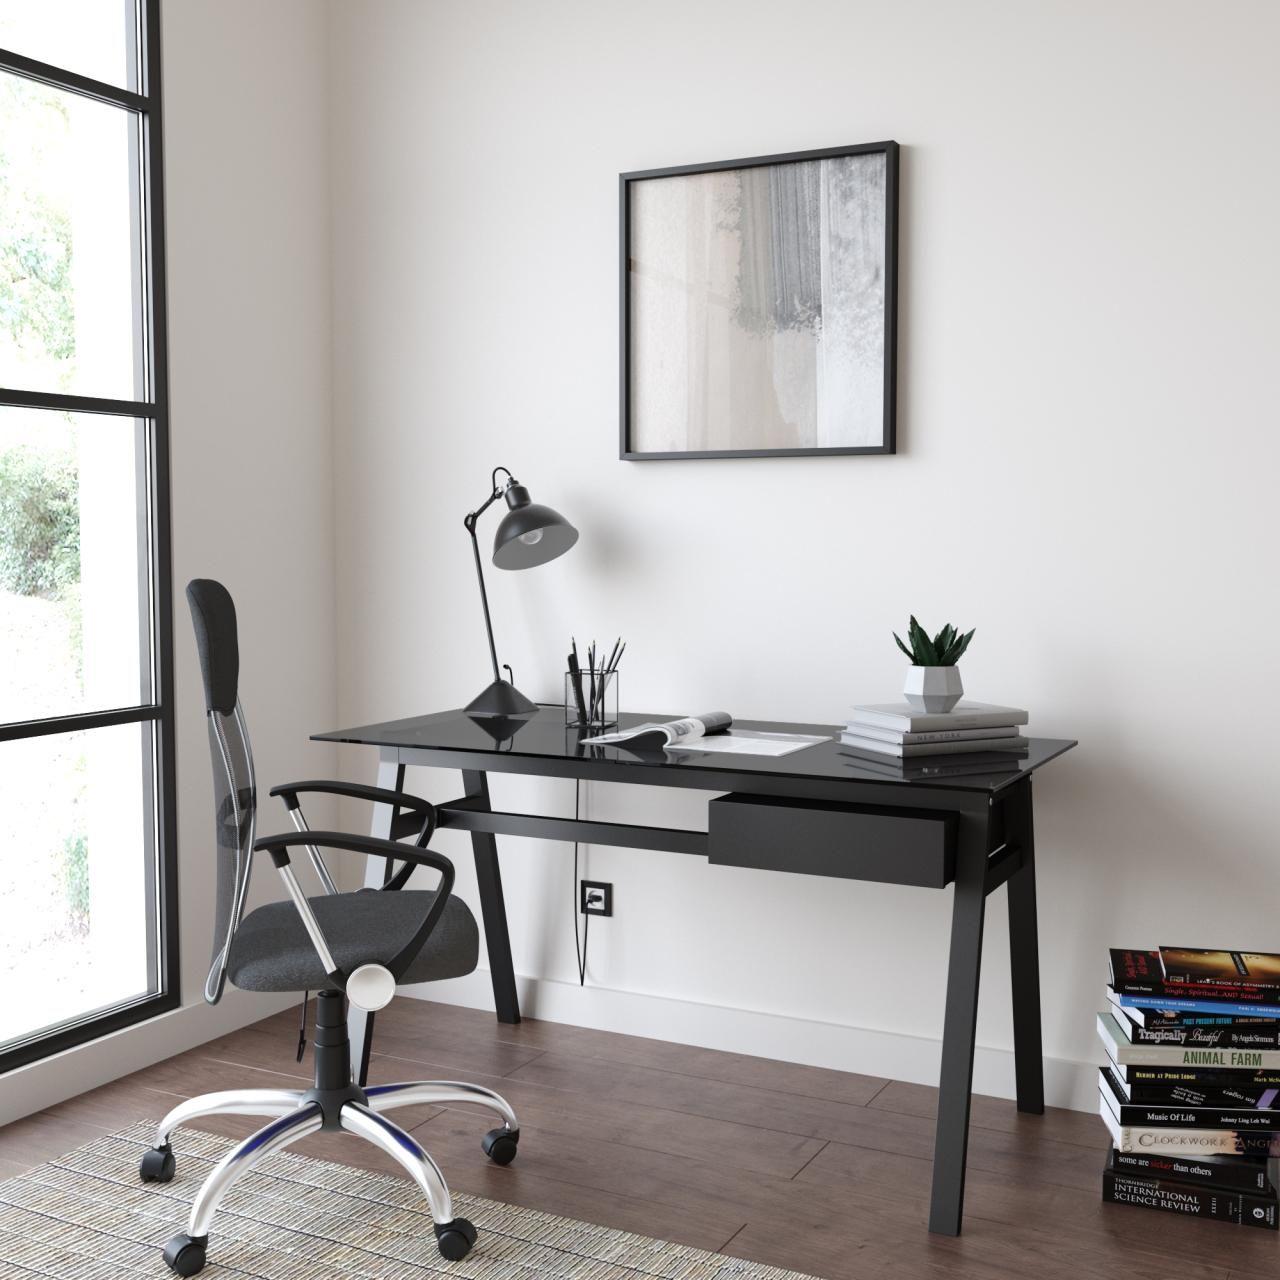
<point x="608" y="666"/>
<point x="577" y="666"/>
<point x="575" y="673"/>
<point x="591" y="668"/>
<point x="606" y="670"/>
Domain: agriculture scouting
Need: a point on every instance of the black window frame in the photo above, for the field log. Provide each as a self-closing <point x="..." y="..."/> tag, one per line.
<point x="154" y="411"/>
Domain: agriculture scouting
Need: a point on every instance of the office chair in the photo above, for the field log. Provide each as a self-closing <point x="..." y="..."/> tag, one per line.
<point x="353" y="947"/>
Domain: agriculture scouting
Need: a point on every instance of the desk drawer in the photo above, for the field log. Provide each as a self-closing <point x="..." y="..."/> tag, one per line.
<point x="824" y="838"/>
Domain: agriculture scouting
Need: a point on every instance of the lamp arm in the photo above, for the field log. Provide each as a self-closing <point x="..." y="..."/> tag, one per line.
<point x="484" y="595"/>
<point x="495" y="493"/>
<point x="470" y="521"/>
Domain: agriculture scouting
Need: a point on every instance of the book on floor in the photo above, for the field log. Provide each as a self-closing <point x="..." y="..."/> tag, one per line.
<point x="1219" y="1204"/>
<point x="1153" y="1019"/>
<point x="1209" y="1031"/>
<point x="1200" y="1090"/>
<point x="1140" y="973"/>
<point x="1159" y="1139"/>
<point x="1261" y="1117"/>
<point x="1223" y="968"/>
<point x="1195" y="1077"/>
<point x="1216" y="1005"/>
<point x="1121" y="1049"/>
<point x="1237" y="1173"/>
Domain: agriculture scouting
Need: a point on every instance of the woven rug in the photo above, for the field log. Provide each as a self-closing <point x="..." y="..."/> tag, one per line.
<point x="86" y="1216"/>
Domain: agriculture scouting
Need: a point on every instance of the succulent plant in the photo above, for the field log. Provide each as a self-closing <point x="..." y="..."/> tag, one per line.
<point x="944" y="650"/>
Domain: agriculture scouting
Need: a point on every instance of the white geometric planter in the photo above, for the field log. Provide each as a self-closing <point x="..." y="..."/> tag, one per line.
<point x="933" y="689"/>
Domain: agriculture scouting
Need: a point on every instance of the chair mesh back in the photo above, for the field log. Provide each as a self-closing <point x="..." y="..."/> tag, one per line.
<point x="236" y="801"/>
<point x="213" y="615"/>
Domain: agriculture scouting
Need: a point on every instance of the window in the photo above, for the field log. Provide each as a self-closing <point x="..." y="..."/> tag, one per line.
<point x="88" y="911"/>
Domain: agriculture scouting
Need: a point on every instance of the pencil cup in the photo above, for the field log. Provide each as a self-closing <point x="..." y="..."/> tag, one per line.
<point x="598" y="708"/>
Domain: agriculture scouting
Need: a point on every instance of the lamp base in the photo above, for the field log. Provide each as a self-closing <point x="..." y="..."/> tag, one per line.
<point x="501" y="698"/>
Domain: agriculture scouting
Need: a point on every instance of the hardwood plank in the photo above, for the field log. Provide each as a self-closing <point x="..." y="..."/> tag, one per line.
<point x="264" y="1050"/>
<point x="828" y="1121"/>
<point x="571" y="1168"/>
<point x="1084" y="1129"/>
<point x="191" y="1073"/>
<point x="715" y="1099"/>
<point x="652" y="1128"/>
<point x="531" y="1184"/>
<point x="41" y="1137"/>
<point x="117" y="1104"/>
<point x="595" y="1160"/>
<point x="462" y="1055"/>
<point x="420" y="1032"/>
<point x="610" y="1046"/>
<point x="1013" y="1156"/>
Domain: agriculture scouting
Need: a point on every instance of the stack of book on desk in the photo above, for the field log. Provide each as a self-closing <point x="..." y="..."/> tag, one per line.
<point x="972" y="737"/>
<point x="1191" y="1089"/>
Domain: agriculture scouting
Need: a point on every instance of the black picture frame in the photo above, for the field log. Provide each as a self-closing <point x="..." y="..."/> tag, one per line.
<point x="626" y="182"/>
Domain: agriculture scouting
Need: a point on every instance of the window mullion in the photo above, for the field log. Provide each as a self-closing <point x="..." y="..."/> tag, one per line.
<point x="20" y="399"/>
<point x="74" y="723"/>
<point x="61" y="78"/>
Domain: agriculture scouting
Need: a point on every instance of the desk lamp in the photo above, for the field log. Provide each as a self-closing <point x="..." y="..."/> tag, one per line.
<point x="528" y="535"/>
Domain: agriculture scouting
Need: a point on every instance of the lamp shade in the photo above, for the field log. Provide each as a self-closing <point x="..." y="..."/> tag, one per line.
<point x="530" y="534"/>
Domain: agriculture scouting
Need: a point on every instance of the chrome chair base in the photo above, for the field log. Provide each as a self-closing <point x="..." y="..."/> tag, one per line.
<point x="298" y="1113"/>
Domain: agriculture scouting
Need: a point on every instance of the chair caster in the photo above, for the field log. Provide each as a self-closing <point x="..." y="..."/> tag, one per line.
<point x="185" y="1255"/>
<point x="500" y="1145"/>
<point x="157" y="1165"/>
<point x="454" y="1239"/>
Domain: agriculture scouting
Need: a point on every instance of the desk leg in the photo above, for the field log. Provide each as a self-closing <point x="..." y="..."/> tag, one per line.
<point x="493" y="907"/>
<point x="360" y="1021"/>
<point x="1024" y="956"/>
<point x="951" y="1140"/>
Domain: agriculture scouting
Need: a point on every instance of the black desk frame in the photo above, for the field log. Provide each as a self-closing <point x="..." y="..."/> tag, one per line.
<point x="994" y="844"/>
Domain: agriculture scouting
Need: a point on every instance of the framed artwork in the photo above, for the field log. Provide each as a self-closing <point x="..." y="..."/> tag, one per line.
<point x="759" y="302"/>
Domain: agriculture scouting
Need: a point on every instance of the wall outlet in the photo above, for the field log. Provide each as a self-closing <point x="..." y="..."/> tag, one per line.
<point x="595" y="898"/>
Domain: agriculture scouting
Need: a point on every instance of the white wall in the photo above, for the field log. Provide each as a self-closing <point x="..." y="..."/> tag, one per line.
<point x="246" y="118"/>
<point x="1086" y="466"/>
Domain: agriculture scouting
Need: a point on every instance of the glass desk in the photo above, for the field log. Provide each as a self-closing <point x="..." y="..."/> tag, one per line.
<point x="818" y="811"/>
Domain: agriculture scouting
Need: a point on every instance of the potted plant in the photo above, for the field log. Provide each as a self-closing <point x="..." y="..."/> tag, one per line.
<point x="933" y="681"/>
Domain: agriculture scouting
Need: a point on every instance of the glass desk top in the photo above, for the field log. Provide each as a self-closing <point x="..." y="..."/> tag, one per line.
<point x="544" y="735"/>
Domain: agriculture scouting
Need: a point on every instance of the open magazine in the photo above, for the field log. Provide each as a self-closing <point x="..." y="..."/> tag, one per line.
<point x="711" y="731"/>
<point x="653" y="736"/>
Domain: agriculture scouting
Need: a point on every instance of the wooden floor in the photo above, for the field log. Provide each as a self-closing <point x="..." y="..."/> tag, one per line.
<point x="816" y="1170"/>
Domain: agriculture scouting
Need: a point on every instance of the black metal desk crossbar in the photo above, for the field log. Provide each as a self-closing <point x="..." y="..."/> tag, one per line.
<point x="820" y="811"/>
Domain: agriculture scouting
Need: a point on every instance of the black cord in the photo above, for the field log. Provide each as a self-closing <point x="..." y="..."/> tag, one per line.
<point x="302" y="1029"/>
<point x="579" y="946"/>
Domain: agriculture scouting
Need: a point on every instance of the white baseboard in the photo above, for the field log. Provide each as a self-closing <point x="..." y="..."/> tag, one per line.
<point x="75" y="1071"/>
<point x="915" y="1059"/>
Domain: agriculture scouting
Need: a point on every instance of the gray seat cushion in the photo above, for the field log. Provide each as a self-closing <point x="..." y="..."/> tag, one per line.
<point x="272" y="951"/>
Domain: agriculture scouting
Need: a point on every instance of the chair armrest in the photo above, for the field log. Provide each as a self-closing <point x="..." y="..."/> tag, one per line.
<point x="356" y="790"/>
<point x="370" y="846"/>
<point x="278" y="847"/>
<point x="289" y="791"/>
